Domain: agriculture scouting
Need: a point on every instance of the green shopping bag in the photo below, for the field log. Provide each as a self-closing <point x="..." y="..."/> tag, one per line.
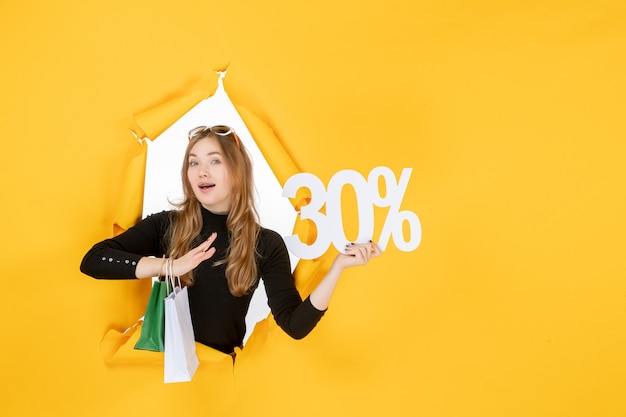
<point x="153" y="327"/>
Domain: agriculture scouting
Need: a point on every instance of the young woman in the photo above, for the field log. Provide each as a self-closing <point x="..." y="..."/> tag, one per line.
<point x="217" y="220"/>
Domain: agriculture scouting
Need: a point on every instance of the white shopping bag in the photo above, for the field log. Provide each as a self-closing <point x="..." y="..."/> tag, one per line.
<point x="180" y="360"/>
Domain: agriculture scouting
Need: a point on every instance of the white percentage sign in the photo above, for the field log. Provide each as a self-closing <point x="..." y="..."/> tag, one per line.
<point x="394" y="193"/>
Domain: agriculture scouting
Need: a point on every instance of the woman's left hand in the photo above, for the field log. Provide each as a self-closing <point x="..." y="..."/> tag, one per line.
<point x="358" y="254"/>
<point x="354" y="255"/>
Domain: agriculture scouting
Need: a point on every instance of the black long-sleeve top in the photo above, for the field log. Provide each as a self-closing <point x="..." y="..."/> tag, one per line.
<point x="218" y="317"/>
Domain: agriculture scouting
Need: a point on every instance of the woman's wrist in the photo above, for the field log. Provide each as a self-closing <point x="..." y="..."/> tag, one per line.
<point x="148" y="267"/>
<point x="163" y="268"/>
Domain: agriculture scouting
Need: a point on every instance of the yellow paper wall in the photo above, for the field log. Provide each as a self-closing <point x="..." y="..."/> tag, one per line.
<point x="511" y="115"/>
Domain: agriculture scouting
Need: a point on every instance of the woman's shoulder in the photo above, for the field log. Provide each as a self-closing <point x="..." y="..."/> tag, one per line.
<point x="270" y="235"/>
<point x="161" y="216"/>
<point x="272" y="252"/>
<point x="270" y="240"/>
<point x="159" y="220"/>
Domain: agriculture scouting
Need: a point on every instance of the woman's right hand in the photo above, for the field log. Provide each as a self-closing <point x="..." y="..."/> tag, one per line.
<point x="194" y="257"/>
<point x="148" y="267"/>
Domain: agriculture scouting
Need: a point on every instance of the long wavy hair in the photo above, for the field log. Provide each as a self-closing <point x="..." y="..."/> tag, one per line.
<point x="242" y="221"/>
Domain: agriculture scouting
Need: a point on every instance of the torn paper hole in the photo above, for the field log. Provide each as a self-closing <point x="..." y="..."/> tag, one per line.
<point x="163" y="182"/>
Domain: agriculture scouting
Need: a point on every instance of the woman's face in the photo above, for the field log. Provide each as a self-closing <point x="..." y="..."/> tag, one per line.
<point x="208" y="176"/>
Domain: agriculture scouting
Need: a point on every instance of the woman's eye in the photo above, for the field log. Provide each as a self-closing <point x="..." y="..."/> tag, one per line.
<point x="192" y="163"/>
<point x="215" y="161"/>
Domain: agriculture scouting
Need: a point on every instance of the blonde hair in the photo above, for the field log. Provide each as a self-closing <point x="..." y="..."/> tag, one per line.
<point x="242" y="221"/>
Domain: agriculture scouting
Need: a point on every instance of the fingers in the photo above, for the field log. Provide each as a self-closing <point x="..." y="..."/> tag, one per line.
<point x="376" y="251"/>
<point x="195" y="256"/>
<point x="206" y="245"/>
<point x="211" y="238"/>
<point x="205" y="250"/>
<point x="200" y="253"/>
<point x="361" y="253"/>
<point x="373" y="248"/>
<point x="207" y="254"/>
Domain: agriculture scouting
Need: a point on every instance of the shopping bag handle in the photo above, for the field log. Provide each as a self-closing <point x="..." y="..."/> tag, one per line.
<point x="169" y="275"/>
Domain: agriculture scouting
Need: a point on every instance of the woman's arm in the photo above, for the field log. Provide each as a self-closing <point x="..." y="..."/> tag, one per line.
<point x="295" y="316"/>
<point x="118" y="257"/>
<point x="139" y="251"/>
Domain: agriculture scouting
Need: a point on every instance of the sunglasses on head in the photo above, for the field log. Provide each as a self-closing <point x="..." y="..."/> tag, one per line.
<point x="218" y="130"/>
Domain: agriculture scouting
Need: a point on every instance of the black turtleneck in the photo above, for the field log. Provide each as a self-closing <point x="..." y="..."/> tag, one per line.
<point x="218" y="317"/>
